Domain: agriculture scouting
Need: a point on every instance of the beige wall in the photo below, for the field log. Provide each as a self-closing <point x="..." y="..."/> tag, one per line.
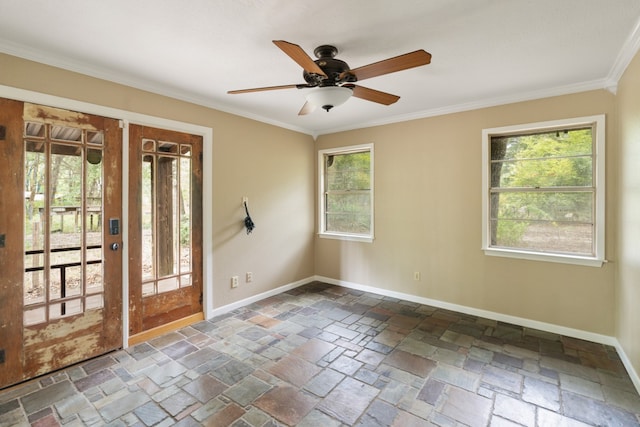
<point x="428" y="219"/>
<point x="428" y="206"/>
<point x="628" y="203"/>
<point x="270" y="165"/>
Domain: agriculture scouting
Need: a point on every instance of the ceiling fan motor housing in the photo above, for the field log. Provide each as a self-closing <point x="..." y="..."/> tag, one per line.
<point x="331" y="66"/>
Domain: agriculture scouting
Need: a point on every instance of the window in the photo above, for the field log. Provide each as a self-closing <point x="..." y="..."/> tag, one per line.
<point x="346" y="192"/>
<point x="543" y="191"/>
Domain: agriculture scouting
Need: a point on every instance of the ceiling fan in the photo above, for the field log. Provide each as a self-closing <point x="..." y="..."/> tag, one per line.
<point x="333" y="81"/>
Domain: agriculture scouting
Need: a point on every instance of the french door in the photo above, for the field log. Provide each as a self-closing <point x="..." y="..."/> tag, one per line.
<point x="165" y="231"/>
<point x="60" y="237"/>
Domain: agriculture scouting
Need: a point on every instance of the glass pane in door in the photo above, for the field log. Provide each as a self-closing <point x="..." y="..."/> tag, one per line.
<point x="63" y="236"/>
<point x="34" y="222"/>
<point x="166" y="207"/>
<point x="166" y="216"/>
<point x="185" y="219"/>
<point x="147" y="217"/>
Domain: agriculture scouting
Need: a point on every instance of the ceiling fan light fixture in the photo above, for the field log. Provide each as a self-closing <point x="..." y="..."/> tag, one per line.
<point x="328" y="97"/>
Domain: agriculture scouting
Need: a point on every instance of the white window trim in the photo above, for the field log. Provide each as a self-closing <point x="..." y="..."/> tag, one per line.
<point x="598" y="121"/>
<point x="322" y="232"/>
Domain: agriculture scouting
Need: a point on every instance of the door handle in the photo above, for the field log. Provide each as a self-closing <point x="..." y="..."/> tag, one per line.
<point x="114" y="246"/>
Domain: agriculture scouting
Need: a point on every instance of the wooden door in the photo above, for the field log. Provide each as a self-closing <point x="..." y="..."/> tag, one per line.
<point x="61" y="284"/>
<point x="165" y="231"/>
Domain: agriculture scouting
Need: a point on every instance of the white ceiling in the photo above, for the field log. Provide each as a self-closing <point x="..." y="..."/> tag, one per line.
<point x="485" y="52"/>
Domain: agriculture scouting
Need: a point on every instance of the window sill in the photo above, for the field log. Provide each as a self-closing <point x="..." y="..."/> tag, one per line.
<point x="345" y="236"/>
<point x="537" y="256"/>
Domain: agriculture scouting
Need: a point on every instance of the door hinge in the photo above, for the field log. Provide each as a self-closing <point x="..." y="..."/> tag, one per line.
<point x="3" y="132"/>
<point x="201" y="299"/>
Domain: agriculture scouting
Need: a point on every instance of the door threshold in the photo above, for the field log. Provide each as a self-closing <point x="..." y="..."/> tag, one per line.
<point x="164" y="329"/>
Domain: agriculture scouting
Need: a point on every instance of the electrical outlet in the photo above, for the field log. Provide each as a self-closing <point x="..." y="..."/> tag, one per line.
<point x="416" y="275"/>
<point x="245" y="199"/>
<point x="234" y="281"/>
<point x="249" y="277"/>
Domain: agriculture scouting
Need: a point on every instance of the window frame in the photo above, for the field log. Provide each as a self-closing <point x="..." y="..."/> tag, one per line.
<point x="597" y="122"/>
<point x="322" y="231"/>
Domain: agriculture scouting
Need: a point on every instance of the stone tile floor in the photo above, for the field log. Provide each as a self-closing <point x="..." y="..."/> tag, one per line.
<point x="323" y="355"/>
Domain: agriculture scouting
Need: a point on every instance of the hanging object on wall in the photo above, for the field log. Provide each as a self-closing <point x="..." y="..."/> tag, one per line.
<point x="248" y="222"/>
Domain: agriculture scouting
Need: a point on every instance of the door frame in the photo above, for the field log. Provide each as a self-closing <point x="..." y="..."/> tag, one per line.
<point x="128" y="117"/>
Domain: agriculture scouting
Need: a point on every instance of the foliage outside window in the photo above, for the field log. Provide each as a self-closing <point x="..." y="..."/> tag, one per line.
<point x="544" y="191"/>
<point x="346" y="192"/>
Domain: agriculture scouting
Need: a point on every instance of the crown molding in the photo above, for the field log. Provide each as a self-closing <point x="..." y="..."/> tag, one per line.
<point x="625" y="56"/>
<point x="485" y="103"/>
<point x="28" y="53"/>
<point x="610" y="83"/>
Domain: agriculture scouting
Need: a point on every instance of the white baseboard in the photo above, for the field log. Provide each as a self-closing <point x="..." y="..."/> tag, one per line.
<point x="284" y="288"/>
<point x="520" y="321"/>
<point x="534" y="324"/>
<point x="627" y="364"/>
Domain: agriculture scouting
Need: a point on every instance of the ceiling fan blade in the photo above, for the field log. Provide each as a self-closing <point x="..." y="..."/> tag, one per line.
<point x="260" y="89"/>
<point x="391" y="65"/>
<point x="374" y="95"/>
<point x="307" y="108"/>
<point x="296" y="53"/>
